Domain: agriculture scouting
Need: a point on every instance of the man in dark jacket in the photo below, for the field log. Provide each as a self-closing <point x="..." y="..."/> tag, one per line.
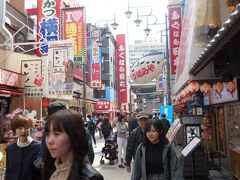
<point x="165" y="122"/>
<point x="135" y="138"/>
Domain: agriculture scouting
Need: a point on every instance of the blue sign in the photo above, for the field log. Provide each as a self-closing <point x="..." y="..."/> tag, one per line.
<point x="168" y="110"/>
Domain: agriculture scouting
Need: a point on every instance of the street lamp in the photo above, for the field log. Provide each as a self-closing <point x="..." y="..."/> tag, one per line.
<point x="137" y="21"/>
<point x="114" y="24"/>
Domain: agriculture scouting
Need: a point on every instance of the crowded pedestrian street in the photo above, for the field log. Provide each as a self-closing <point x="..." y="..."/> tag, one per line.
<point x="119" y="90"/>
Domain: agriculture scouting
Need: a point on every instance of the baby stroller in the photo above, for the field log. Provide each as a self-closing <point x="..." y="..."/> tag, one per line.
<point x="109" y="151"/>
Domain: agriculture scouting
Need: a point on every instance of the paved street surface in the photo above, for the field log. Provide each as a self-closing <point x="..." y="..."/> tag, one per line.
<point x="109" y="172"/>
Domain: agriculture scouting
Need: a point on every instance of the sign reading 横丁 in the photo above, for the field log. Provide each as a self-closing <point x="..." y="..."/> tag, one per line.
<point x="95" y="59"/>
<point x="48" y="23"/>
<point x="175" y="28"/>
<point x="74" y="28"/>
<point x="122" y="74"/>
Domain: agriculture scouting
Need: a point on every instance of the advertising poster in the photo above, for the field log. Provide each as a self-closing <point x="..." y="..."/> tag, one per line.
<point x="175" y="28"/>
<point x="74" y="22"/>
<point x="48" y="23"/>
<point x="95" y="56"/>
<point x="121" y="71"/>
<point x="60" y="69"/>
<point x="34" y="77"/>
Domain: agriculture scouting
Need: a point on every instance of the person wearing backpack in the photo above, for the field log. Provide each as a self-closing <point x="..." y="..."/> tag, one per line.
<point x="91" y="126"/>
<point x="165" y="122"/>
<point x="155" y="157"/>
<point x="106" y="128"/>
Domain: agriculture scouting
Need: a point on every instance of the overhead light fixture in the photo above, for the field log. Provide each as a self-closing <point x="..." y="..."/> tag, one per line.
<point x="147" y="31"/>
<point x="128" y="14"/>
<point x="114" y="24"/>
<point x="137" y="21"/>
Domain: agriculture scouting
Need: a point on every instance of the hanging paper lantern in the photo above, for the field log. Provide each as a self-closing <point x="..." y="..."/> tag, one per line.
<point x="231" y="86"/>
<point x="218" y="87"/>
<point x="193" y="87"/>
<point x="205" y="87"/>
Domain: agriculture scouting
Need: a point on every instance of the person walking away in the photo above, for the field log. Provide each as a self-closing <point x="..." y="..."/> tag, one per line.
<point x="133" y="122"/>
<point x="165" y="122"/>
<point x="91" y="126"/>
<point x="106" y="128"/>
<point x="135" y="138"/>
<point x="155" y="158"/>
<point x="65" y="157"/>
<point x="22" y="153"/>
<point x="122" y="130"/>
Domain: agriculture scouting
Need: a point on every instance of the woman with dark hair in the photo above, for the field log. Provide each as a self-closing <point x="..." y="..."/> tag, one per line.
<point x="122" y="131"/>
<point x="22" y="153"/>
<point x="65" y="157"/>
<point x="106" y="128"/>
<point x="155" y="158"/>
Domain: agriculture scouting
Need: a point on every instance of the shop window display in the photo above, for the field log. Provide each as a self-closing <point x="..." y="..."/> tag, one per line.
<point x="234" y="125"/>
<point x="234" y="138"/>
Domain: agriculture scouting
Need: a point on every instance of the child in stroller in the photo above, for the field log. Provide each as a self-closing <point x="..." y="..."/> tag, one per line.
<point x="109" y="151"/>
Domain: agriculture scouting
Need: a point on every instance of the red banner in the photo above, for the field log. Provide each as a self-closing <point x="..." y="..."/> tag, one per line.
<point x="102" y="105"/>
<point x="121" y="71"/>
<point x="74" y="28"/>
<point x="175" y="28"/>
<point x="48" y="23"/>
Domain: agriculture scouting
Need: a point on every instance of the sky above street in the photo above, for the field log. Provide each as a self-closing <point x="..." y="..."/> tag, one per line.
<point x="101" y="10"/>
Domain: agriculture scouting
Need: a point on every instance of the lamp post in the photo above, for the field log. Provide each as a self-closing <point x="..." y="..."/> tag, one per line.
<point x="169" y="101"/>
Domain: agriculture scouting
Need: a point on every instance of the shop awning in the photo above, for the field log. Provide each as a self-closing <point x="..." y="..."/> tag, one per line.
<point x="223" y="39"/>
<point x="11" y="92"/>
<point x="103" y="111"/>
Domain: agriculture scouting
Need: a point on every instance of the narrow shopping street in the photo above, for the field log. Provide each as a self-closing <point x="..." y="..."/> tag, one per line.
<point x="108" y="171"/>
<point x="111" y="172"/>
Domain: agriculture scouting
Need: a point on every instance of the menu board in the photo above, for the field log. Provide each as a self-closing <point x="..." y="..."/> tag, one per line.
<point x="191" y="146"/>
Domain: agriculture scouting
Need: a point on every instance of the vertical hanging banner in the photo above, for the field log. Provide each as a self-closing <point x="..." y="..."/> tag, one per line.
<point x="175" y="28"/>
<point x="74" y="27"/>
<point x="160" y="83"/>
<point x="60" y="69"/>
<point x="121" y="72"/>
<point x="48" y="23"/>
<point x="95" y="56"/>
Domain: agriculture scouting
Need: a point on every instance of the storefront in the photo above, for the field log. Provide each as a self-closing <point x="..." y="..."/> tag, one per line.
<point x="221" y="58"/>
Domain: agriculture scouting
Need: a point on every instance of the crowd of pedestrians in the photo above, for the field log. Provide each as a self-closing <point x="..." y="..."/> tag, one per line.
<point x="66" y="150"/>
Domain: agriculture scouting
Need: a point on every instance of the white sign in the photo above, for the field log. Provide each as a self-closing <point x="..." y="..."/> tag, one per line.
<point x="191" y="146"/>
